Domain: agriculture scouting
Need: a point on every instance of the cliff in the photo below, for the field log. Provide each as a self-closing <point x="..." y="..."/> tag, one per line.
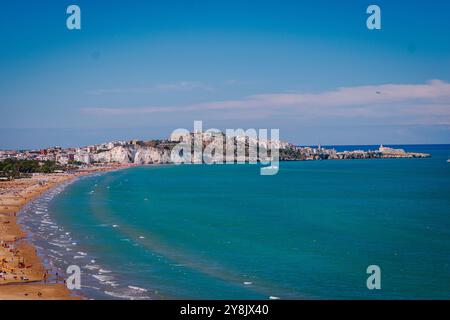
<point x="226" y="149"/>
<point x="132" y="154"/>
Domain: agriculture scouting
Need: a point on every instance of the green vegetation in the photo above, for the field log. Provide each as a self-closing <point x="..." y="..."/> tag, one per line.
<point x="291" y="154"/>
<point x="13" y="168"/>
<point x="75" y="163"/>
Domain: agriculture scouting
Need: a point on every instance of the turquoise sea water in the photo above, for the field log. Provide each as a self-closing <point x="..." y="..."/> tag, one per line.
<point x="225" y="232"/>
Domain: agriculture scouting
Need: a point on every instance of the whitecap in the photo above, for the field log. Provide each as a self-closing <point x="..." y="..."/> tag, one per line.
<point x="102" y="278"/>
<point x="112" y="283"/>
<point x="178" y="265"/>
<point x="124" y="294"/>
<point x="91" y="267"/>
<point x="119" y="295"/>
<point x="137" y="288"/>
<point x="104" y="271"/>
<point x="57" y="244"/>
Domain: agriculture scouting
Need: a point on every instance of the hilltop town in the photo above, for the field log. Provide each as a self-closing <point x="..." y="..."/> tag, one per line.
<point x="159" y="152"/>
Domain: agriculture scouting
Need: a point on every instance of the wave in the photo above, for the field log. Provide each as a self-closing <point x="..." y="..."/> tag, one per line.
<point x="137" y="288"/>
<point x="104" y="271"/>
<point x="54" y="244"/>
<point x="131" y="293"/>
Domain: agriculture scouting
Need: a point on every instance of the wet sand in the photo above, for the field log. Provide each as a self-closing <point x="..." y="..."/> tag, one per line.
<point x="36" y="292"/>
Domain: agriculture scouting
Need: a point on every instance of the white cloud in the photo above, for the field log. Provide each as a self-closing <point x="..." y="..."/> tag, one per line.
<point x="167" y="87"/>
<point x="409" y="101"/>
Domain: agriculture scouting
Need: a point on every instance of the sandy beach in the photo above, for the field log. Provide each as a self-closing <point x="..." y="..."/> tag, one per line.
<point x="22" y="274"/>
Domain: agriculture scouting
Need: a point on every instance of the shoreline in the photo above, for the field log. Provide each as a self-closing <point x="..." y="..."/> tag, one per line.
<point x="14" y="195"/>
<point x="23" y="275"/>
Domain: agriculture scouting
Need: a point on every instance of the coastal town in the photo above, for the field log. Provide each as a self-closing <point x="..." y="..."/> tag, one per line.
<point x="159" y="152"/>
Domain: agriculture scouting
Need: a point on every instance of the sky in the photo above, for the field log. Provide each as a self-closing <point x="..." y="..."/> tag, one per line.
<point x="141" y="69"/>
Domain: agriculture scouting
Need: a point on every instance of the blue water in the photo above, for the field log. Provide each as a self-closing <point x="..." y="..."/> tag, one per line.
<point x="225" y="232"/>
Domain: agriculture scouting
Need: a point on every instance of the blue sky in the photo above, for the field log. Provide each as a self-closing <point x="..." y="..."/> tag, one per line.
<point x="140" y="69"/>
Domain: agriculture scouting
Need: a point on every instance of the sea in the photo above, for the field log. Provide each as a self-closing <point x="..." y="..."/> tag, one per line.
<point x="227" y="232"/>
